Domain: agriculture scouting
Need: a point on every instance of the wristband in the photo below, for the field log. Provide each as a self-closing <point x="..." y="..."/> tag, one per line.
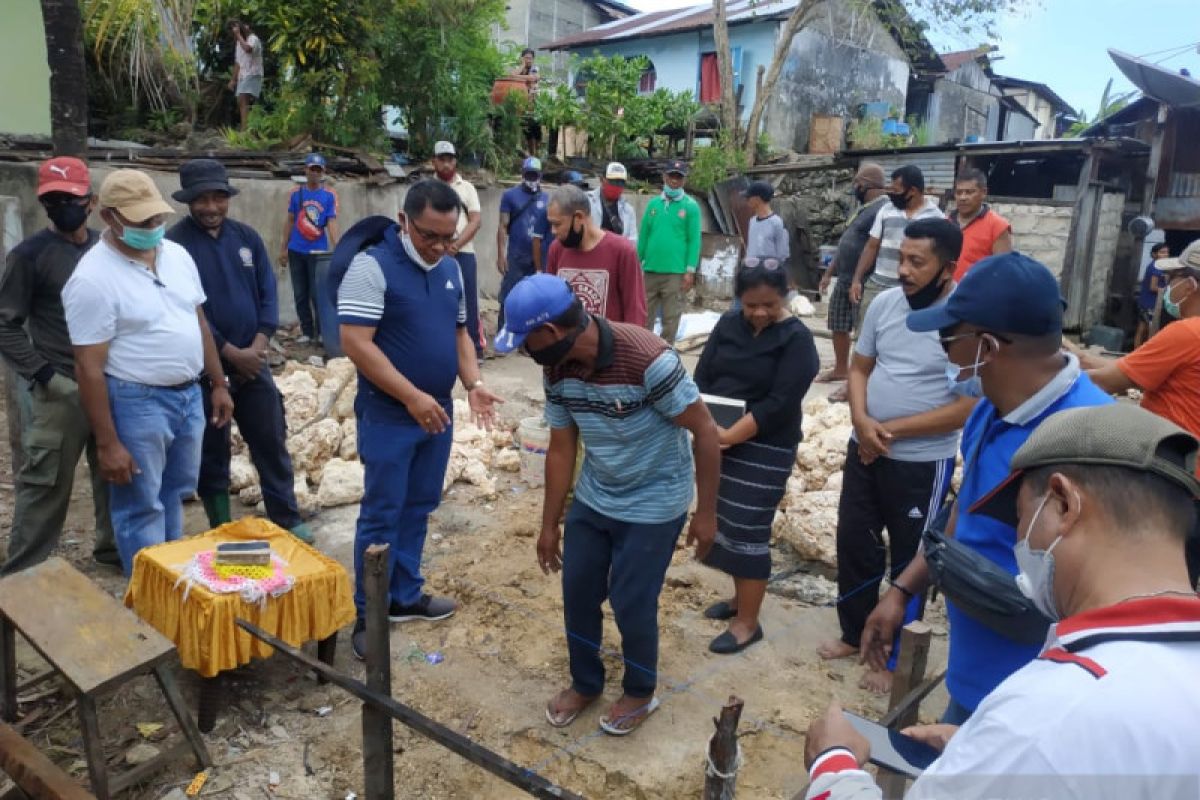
<point x="835" y="759"/>
<point x="908" y="594"/>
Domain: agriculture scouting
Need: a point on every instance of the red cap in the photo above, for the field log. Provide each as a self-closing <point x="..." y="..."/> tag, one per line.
<point x="64" y="174"/>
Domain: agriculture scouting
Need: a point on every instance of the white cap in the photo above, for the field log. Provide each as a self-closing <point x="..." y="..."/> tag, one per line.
<point x="615" y="172"/>
<point x="443" y="149"/>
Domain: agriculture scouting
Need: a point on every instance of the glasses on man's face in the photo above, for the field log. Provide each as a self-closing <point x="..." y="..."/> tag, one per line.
<point x="765" y="263"/>
<point x="947" y="341"/>
<point x="60" y="200"/>
<point x="432" y="237"/>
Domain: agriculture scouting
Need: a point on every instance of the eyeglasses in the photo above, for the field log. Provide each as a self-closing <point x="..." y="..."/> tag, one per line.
<point x="432" y="237"/>
<point x="946" y="341"/>
<point x="55" y="200"/>
<point x="765" y="263"/>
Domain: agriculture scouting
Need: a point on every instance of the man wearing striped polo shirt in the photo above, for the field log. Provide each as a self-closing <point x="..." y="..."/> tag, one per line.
<point x="626" y="393"/>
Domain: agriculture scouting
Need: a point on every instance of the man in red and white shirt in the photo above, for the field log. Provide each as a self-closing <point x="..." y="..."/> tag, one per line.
<point x="1101" y="499"/>
<point x="601" y="267"/>
<point x="985" y="233"/>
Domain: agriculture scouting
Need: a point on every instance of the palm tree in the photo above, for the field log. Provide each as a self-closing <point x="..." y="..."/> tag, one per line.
<point x="68" y="78"/>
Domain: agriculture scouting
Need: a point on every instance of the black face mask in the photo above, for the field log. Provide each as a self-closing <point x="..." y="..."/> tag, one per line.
<point x="860" y="193"/>
<point x="926" y="296"/>
<point x="552" y="354"/>
<point x="574" y="238"/>
<point x="899" y="199"/>
<point x="67" y="217"/>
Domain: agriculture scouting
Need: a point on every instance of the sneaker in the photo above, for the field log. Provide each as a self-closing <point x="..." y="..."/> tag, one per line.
<point x="428" y="608"/>
<point x="304" y="533"/>
<point x="358" y="639"/>
<point x="302" y="339"/>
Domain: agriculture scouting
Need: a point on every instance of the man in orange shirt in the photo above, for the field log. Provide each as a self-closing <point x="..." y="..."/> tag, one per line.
<point x="1166" y="368"/>
<point x="985" y="232"/>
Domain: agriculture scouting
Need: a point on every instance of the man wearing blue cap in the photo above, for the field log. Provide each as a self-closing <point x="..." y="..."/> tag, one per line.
<point x="625" y="392"/>
<point x="522" y="230"/>
<point x="311" y="229"/>
<point x="1002" y="332"/>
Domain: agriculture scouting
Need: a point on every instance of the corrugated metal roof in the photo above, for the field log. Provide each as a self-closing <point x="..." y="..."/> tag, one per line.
<point x="658" y="23"/>
<point x="938" y="167"/>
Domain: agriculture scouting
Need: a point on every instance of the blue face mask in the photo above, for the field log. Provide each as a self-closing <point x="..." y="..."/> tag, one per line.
<point x="967" y="387"/>
<point x="673" y="194"/>
<point x="143" y="238"/>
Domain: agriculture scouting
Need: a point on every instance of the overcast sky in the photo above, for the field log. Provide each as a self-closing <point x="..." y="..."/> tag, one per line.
<point x="1062" y="43"/>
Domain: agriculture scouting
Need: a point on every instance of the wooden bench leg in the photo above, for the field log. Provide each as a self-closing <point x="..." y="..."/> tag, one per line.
<point x="166" y="682"/>
<point x="326" y="653"/>
<point x="8" y="671"/>
<point x="212" y="697"/>
<point x="93" y="746"/>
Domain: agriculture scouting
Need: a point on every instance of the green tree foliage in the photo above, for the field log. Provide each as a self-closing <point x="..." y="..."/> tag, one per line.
<point x="1109" y="104"/>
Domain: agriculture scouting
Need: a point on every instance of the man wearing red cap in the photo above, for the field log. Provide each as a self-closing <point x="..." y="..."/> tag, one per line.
<point x="35" y="342"/>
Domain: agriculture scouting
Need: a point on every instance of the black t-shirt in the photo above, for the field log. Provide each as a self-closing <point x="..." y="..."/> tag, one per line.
<point x="854" y="239"/>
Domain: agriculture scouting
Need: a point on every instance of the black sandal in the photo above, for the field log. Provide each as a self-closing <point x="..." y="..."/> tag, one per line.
<point x="727" y="643"/>
<point x="721" y="611"/>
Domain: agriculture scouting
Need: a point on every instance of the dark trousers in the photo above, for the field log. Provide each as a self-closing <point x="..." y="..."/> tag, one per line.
<point x="517" y="270"/>
<point x="470" y="276"/>
<point x="897" y="495"/>
<point x="625" y="563"/>
<point x="403" y="485"/>
<point x="1192" y="549"/>
<point x="258" y="411"/>
<point x="303" y="270"/>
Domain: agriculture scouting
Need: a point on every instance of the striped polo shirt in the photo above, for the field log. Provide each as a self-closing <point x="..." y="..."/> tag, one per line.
<point x="637" y="465"/>
<point x="888" y="228"/>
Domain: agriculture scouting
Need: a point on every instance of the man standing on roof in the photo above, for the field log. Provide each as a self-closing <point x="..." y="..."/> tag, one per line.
<point x="669" y="248"/>
<point x="311" y="230"/>
<point x="610" y="210"/>
<point x="985" y="232"/>
<point x="462" y="249"/>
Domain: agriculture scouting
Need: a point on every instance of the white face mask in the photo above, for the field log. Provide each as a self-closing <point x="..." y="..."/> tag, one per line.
<point x="1036" y="577"/>
<point x="411" y="249"/>
<point x="971" y="386"/>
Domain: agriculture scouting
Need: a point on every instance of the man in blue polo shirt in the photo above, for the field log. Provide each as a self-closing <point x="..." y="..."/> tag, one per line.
<point x="1002" y="331"/>
<point x="242" y="313"/>
<point x="625" y="392"/>
<point x="403" y="316"/>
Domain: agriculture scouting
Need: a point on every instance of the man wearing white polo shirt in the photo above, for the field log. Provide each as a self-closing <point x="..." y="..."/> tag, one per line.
<point x="133" y="308"/>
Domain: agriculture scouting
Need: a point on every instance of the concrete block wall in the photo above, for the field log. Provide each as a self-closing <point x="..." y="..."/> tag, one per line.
<point x="1039" y="231"/>
<point x="1104" y="257"/>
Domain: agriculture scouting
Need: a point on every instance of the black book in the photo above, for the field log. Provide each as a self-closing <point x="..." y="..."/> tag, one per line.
<point x="725" y="410"/>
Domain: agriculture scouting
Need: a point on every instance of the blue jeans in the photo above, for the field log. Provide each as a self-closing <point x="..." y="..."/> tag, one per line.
<point x="162" y="429"/>
<point x="404" y="469"/>
<point x="624" y="562"/>
<point x="516" y="271"/>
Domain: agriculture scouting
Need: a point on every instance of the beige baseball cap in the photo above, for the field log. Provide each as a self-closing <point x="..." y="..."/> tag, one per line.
<point x="1188" y="259"/>
<point x="133" y="195"/>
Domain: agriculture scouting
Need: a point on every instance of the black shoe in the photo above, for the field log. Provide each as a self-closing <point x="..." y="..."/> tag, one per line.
<point x="109" y="558"/>
<point x="428" y="609"/>
<point x="727" y="643"/>
<point x="721" y="610"/>
<point x="358" y="639"/>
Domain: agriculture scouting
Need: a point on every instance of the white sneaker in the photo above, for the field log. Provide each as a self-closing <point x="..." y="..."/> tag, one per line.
<point x="302" y="339"/>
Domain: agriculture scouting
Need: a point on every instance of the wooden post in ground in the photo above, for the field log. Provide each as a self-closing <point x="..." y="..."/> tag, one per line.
<point x="378" y="763"/>
<point x="724" y="756"/>
<point x="910" y="673"/>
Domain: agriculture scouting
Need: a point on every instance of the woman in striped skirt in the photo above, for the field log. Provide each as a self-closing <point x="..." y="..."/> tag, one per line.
<point x="766" y="357"/>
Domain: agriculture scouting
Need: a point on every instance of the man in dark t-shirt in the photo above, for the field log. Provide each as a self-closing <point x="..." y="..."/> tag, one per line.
<point x="868" y="190"/>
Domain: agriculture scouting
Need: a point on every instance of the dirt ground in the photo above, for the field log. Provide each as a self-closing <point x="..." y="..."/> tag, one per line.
<point x="503" y="655"/>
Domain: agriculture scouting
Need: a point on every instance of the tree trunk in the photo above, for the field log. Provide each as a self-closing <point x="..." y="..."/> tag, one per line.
<point x="793" y="25"/>
<point x="729" y="110"/>
<point x="68" y="76"/>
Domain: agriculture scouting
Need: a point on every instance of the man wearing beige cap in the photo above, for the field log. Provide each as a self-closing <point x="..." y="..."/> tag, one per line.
<point x="610" y="210"/>
<point x="133" y="308"/>
<point x="1166" y="368"/>
<point x="1101" y="499"/>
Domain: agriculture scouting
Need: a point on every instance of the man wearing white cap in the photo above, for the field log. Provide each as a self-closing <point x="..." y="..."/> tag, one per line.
<point x="133" y="308"/>
<point x="462" y="249"/>
<point x="610" y="210"/>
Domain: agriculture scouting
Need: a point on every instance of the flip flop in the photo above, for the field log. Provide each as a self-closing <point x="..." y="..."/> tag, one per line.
<point x="609" y="726"/>
<point x="838" y="395"/>
<point x="825" y="377"/>
<point x="721" y="610"/>
<point x="558" y="721"/>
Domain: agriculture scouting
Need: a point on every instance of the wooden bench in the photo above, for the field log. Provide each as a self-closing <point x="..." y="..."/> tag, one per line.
<point x="96" y="644"/>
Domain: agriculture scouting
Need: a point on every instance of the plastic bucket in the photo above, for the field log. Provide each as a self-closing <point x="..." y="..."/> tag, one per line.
<point x="533" y="439"/>
<point x="827" y="252"/>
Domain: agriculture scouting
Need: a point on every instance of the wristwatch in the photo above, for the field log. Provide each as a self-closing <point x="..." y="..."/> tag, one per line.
<point x="478" y="382"/>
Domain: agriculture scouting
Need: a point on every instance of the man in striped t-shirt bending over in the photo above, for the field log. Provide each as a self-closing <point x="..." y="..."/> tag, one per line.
<point x="625" y="391"/>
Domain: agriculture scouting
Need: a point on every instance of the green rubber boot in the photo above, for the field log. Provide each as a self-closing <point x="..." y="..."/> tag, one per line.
<point x="304" y="533"/>
<point x="216" y="506"/>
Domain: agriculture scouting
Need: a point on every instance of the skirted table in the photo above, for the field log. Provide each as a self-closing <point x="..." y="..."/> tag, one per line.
<point x="170" y="591"/>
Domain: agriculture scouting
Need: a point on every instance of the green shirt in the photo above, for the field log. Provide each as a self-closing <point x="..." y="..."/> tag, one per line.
<point x="669" y="239"/>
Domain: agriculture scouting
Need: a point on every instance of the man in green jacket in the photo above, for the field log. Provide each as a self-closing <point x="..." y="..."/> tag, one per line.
<point x="669" y="249"/>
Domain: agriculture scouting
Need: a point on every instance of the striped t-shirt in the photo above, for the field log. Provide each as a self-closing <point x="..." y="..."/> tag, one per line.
<point x="637" y="464"/>
<point x="888" y="228"/>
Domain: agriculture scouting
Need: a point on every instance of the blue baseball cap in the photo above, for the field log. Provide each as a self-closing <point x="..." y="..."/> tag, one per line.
<point x="1006" y="293"/>
<point x="533" y="302"/>
<point x="531" y="164"/>
<point x="314" y="160"/>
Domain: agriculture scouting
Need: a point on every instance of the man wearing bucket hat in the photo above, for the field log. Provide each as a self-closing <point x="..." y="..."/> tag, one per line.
<point x="1101" y="499"/>
<point x="610" y="210"/>
<point x="1166" y="369"/>
<point x="35" y="342"/>
<point x="243" y="313"/>
<point x="1002" y="332"/>
<point x="625" y="393"/>
<point x="134" y="310"/>
<point x="311" y="229"/>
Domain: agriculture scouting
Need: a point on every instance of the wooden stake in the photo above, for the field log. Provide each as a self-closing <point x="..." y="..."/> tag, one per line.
<point x="724" y="755"/>
<point x="910" y="672"/>
<point x="378" y="760"/>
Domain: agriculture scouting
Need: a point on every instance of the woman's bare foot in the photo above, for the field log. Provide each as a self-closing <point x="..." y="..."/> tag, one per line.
<point x="838" y="395"/>
<point x="835" y="648"/>
<point x="831" y="376"/>
<point x="565" y="706"/>
<point x="876" y="681"/>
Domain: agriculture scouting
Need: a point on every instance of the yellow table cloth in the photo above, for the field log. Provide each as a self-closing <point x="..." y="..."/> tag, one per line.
<point x="202" y="627"/>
